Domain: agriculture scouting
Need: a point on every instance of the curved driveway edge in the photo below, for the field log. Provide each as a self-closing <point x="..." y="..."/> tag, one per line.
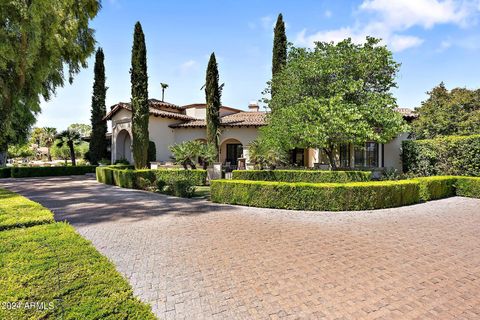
<point x="192" y="259"/>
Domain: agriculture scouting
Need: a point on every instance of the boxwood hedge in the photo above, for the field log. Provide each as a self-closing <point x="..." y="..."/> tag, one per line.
<point x="23" y="172"/>
<point x="5" y="172"/>
<point x="341" y="196"/>
<point x="314" y="176"/>
<point x="135" y="179"/>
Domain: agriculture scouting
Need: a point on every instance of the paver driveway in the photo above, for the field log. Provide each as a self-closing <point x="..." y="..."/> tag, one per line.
<point x="193" y="259"/>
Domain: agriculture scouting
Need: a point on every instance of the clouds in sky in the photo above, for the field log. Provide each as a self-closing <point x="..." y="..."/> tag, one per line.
<point x="392" y="19"/>
<point x="188" y="66"/>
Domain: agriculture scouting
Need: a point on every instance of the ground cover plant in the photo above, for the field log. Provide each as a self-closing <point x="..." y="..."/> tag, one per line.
<point x="50" y="272"/>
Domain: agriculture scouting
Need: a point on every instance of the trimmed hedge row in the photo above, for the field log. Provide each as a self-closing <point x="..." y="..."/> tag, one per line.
<point x="453" y="155"/>
<point x="23" y="172"/>
<point x="313" y="176"/>
<point x="341" y="196"/>
<point x="135" y="179"/>
<point x="5" y="172"/>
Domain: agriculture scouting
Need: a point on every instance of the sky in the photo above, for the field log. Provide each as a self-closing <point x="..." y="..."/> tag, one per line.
<point x="434" y="41"/>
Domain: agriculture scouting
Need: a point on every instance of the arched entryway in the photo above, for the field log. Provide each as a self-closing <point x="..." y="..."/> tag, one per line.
<point x="124" y="146"/>
<point x="230" y="151"/>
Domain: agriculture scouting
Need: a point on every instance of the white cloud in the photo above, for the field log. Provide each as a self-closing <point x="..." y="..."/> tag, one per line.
<point x="327" y="13"/>
<point x="267" y="22"/>
<point x="188" y="66"/>
<point x="389" y="19"/>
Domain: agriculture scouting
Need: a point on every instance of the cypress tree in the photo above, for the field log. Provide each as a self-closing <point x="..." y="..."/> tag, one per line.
<point x="98" y="144"/>
<point x="213" y="96"/>
<point x="279" y="57"/>
<point x="139" y="102"/>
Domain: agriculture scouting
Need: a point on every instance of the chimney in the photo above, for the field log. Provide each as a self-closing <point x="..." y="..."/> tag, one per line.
<point x="253" y="106"/>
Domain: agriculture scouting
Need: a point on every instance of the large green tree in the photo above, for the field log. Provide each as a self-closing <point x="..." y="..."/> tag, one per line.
<point x="70" y="138"/>
<point x="98" y="144"/>
<point x="38" y="41"/>
<point x="455" y="112"/>
<point x="140" y="109"/>
<point x="213" y="93"/>
<point x="332" y="95"/>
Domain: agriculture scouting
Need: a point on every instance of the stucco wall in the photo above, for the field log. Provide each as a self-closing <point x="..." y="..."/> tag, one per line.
<point x="162" y="135"/>
<point x="393" y="152"/>
<point x="120" y="121"/>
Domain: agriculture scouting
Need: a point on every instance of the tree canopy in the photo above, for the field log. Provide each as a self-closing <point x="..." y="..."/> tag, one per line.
<point x="332" y="95"/>
<point x="38" y="41"/>
<point x="279" y="56"/>
<point x="454" y="112"/>
<point x="140" y="108"/>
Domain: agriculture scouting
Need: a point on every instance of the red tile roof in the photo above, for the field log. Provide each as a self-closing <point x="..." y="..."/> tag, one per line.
<point x="154" y="109"/>
<point x="240" y="119"/>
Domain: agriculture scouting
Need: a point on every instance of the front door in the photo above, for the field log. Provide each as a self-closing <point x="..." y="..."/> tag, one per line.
<point x="234" y="151"/>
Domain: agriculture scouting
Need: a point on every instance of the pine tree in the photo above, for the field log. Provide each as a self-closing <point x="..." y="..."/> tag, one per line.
<point x="98" y="145"/>
<point x="139" y="103"/>
<point x="279" y="57"/>
<point x="213" y="94"/>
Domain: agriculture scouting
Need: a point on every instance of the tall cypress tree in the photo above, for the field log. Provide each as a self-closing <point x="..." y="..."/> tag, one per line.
<point x="98" y="144"/>
<point x="279" y="57"/>
<point x="139" y="103"/>
<point x="213" y="96"/>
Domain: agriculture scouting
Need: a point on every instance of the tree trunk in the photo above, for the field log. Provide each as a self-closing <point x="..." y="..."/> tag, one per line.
<point x="72" y="154"/>
<point x="49" y="155"/>
<point x="331" y="157"/>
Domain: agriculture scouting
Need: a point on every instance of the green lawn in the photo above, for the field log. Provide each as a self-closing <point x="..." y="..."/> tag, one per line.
<point x="52" y="266"/>
<point x="202" y="192"/>
<point x="18" y="211"/>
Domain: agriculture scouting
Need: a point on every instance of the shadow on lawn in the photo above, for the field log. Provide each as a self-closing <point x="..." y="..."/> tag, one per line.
<point x="81" y="200"/>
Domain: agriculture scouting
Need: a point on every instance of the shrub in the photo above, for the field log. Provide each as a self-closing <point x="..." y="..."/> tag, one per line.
<point x="5" y="172"/>
<point x="316" y="196"/>
<point x="180" y="188"/>
<point x="18" y="211"/>
<point x="313" y="176"/>
<point x="198" y="177"/>
<point x="453" y="155"/>
<point x="432" y="188"/>
<point x="22" y="172"/>
<point x="468" y="187"/>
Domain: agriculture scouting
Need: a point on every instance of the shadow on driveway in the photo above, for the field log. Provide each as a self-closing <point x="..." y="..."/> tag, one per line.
<point x="82" y="200"/>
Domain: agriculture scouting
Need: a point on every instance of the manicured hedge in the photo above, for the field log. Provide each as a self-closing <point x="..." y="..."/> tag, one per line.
<point x="432" y="188"/>
<point x="22" y="172"/>
<point x="316" y="196"/>
<point x="314" y="176"/>
<point x="453" y="155"/>
<point x="468" y="187"/>
<point x="17" y="211"/>
<point x="341" y="196"/>
<point x="5" y="172"/>
<point x="127" y="178"/>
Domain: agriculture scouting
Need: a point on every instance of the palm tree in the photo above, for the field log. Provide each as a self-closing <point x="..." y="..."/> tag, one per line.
<point x="48" y="137"/>
<point x="164" y="86"/>
<point x="71" y="138"/>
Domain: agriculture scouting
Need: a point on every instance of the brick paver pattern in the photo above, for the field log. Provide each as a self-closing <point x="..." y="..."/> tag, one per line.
<point x="191" y="259"/>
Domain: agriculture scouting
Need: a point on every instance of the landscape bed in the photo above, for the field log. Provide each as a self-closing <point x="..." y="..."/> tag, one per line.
<point x="341" y="196"/>
<point x="51" y="266"/>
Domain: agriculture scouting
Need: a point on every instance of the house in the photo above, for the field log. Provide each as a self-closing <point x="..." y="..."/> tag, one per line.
<point x="171" y="124"/>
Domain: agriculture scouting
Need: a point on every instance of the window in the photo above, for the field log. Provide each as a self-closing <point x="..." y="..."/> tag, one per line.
<point x="345" y="156"/>
<point x="359" y="156"/>
<point x="371" y="149"/>
<point x="297" y="157"/>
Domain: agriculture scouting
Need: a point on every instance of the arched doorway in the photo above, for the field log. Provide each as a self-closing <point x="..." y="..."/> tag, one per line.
<point x="124" y="146"/>
<point x="230" y="151"/>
